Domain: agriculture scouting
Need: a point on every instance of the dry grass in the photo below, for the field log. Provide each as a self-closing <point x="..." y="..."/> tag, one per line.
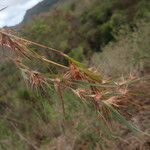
<point x="84" y="83"/>
<point x="129" y="55"/>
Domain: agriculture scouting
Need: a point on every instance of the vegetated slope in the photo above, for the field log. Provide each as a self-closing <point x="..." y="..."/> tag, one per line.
<point x="37" y="118"/>
<point x="129" y="54"/>
<point x="39" y="8"/>
<point x="84" y="27"/>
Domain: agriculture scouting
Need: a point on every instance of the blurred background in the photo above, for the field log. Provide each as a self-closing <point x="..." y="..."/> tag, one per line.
<point x="111" y="36"/>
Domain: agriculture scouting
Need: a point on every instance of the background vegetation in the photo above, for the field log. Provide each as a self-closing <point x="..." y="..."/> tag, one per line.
<point x="113" y="37"/>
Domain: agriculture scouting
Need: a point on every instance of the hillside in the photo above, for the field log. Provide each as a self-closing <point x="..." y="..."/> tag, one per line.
<point x="82" y="82"/>
<point x="83" y="28"/>
<point x="41" y="7"/>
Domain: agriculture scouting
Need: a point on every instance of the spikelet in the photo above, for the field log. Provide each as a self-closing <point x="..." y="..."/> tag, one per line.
<point x="75" y="73"/>
<point x="33" y="78"/>
<point x="81" y="93"/>
<point x="18" y="48"/>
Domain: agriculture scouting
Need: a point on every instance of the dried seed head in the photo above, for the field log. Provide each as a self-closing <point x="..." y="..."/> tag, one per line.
<point x="81" y="93"/>
<point x="34" y="78"/>
<point x="98" y="96"/>
<point x="113" y="101"/>
<point x="75" y="73"/>
<point x="16" y="47"/>
<point x="123" y="90"/>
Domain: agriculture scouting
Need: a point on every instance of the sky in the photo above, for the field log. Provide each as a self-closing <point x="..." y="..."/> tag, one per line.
<point x="15" y="11"/>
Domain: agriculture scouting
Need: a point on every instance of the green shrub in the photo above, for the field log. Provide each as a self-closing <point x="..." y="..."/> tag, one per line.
<point x="77" y="54"/>
<point x="130" y="54"/>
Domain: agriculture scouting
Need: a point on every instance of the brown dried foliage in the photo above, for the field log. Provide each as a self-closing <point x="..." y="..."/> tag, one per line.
<point x="74" y="73"/>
